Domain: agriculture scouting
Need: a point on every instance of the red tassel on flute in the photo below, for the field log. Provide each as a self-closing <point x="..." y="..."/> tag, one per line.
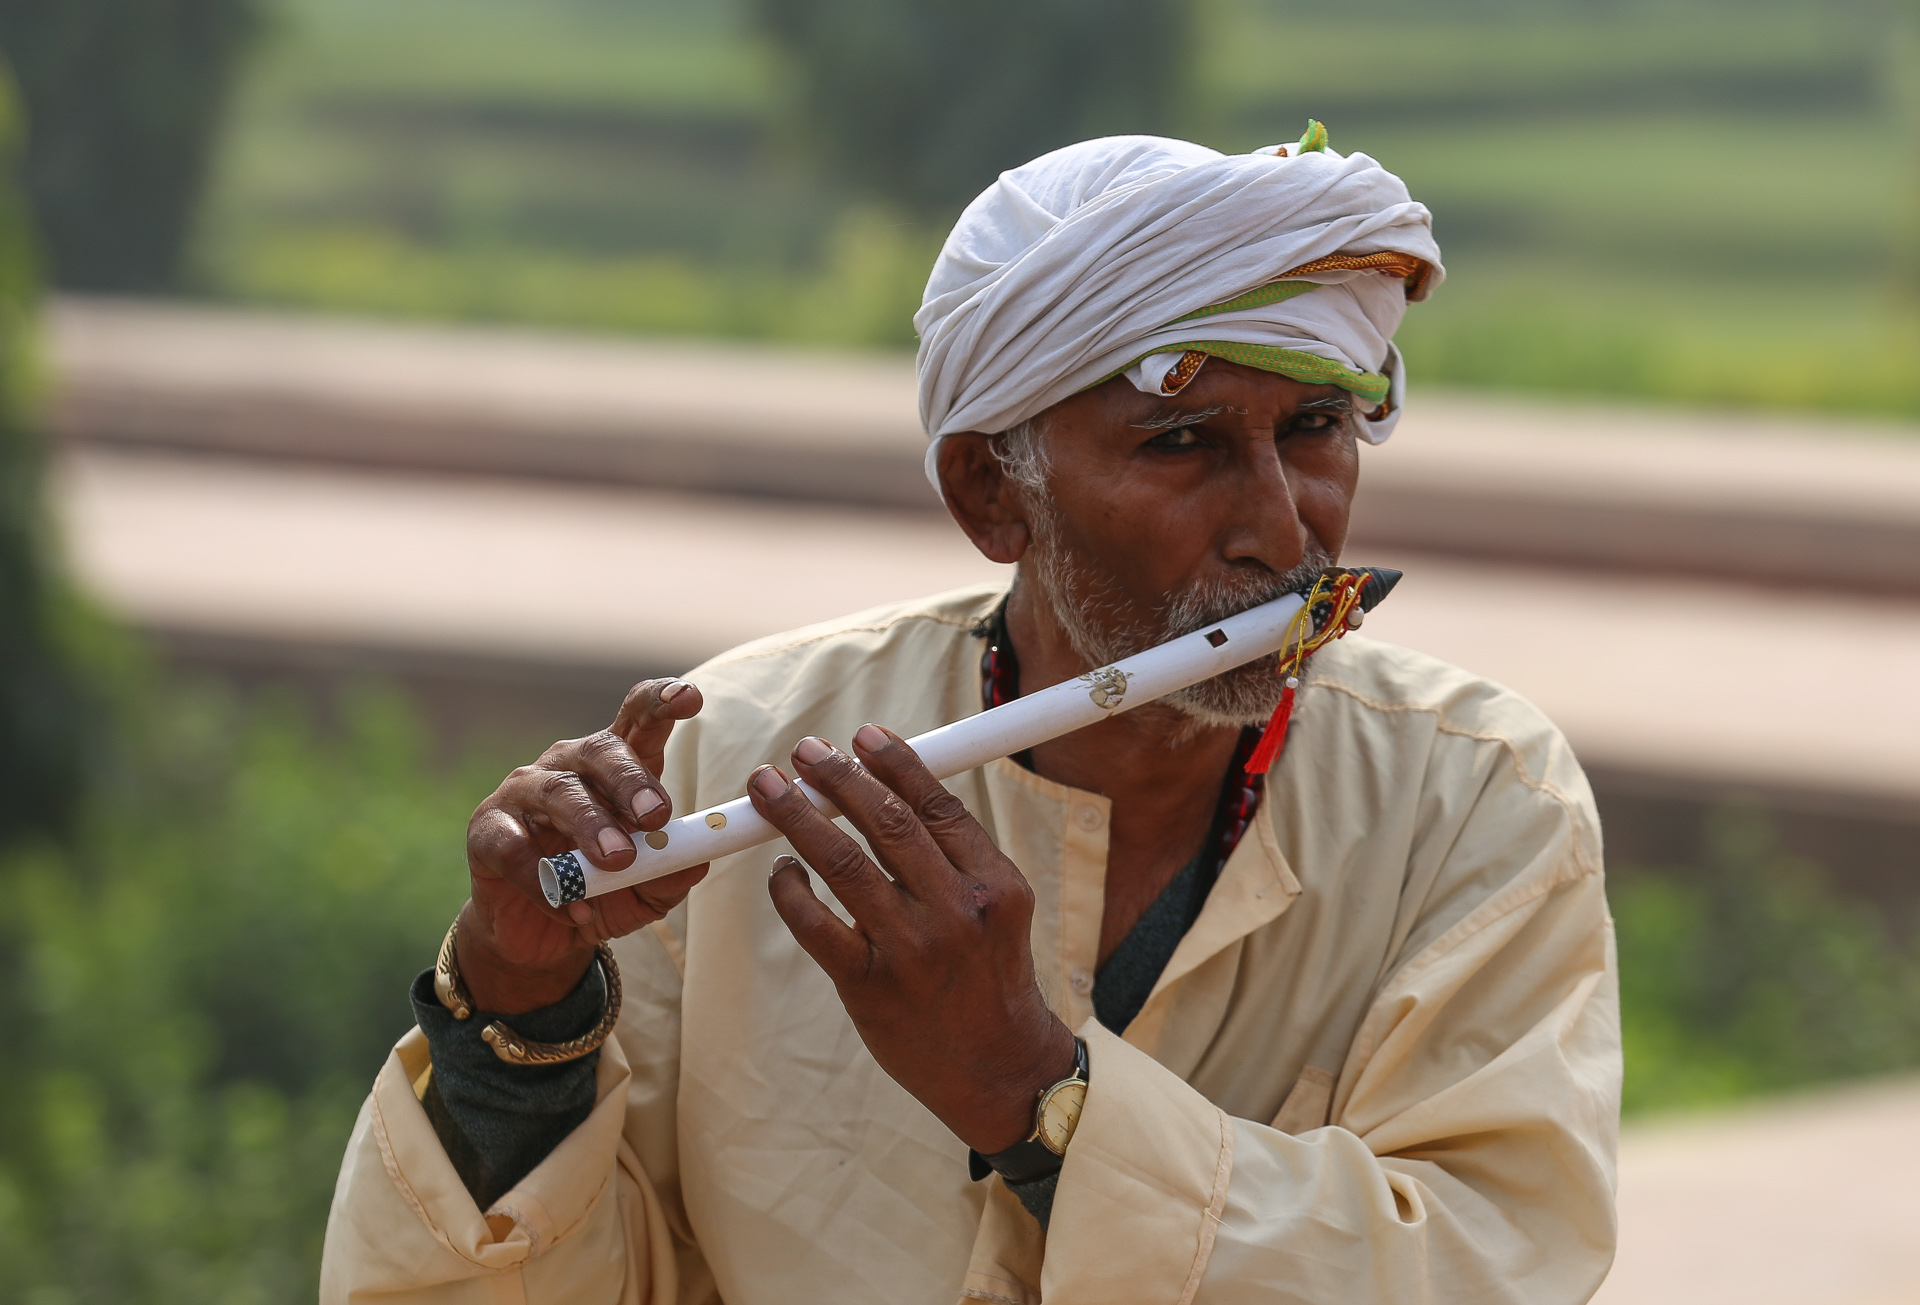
<point x="1275" y="737"/>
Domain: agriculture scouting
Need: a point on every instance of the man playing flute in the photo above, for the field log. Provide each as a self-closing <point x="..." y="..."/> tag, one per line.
<point x="1119" y="1019"/>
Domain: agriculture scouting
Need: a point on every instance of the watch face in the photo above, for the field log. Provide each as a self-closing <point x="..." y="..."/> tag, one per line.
<point x="1059" y="1114"/>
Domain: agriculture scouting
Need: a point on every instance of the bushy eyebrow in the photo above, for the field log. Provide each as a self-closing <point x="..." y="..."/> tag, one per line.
<point x="1339" y="405"/>
<point x="1176" y="420"/>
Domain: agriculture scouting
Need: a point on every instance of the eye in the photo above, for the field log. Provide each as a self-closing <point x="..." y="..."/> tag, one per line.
<point x="1181" y="437"/>
<point x="1318" y="423"/>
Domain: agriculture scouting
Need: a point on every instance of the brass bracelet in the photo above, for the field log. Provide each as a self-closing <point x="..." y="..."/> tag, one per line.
<point x="508" y="1045"/>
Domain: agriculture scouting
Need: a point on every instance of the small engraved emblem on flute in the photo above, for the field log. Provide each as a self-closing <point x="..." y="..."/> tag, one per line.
<point x="1109" y="686"/>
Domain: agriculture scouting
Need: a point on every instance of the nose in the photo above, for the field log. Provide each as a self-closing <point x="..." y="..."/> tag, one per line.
<point x="1262" y="523"/>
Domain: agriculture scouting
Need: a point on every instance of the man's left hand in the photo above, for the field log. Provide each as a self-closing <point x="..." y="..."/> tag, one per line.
<point x="937" y="969"/>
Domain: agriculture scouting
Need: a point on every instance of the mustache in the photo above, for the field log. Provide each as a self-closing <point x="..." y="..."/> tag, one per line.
<point x="1209" y="602"/>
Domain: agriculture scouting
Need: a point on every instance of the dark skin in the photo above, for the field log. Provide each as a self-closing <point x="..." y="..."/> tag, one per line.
<point x="1244" y="470"/>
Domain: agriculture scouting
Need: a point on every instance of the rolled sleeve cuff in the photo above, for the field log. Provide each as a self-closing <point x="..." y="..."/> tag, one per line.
<point x="539" y="1210"/>
<point x="1143" y="1185"/>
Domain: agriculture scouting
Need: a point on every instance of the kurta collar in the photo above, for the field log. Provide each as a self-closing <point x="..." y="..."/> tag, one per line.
<point x="1057" y="835"/>
<point x="1255" y="887"/>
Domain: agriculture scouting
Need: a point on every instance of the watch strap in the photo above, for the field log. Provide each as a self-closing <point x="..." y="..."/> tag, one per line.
<point x="1025" y="1161"/>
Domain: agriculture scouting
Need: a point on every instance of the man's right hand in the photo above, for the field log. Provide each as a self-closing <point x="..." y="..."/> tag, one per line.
<point x="517" y="953"/>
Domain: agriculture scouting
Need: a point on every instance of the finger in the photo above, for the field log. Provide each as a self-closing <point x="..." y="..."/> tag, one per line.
<point x="854" y="879"/>
<point x="609" y="766"/>
<point x="835" y="948"/>
<point x="502" y="845"/>
<point x="616" y="914"/>
<point x="891" y="828"/>
<point x="647" y="717"/>
<point x="668" y="891"/>
<point x="953" y="829"/>
<point x="560" y="800"/>
<point x="619" y="913"/>
<point x="605" y="919"/>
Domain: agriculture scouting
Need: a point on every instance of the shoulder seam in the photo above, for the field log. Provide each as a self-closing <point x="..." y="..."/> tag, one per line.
<point x="1540" y="785"/>
<point x="1476" y="922"/>
<point x="1494" y="910"/>
<point x="731" y="658"/>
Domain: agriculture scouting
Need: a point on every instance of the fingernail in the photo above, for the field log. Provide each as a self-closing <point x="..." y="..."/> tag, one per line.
<point x="644" y="801"/>
<point x="781" y="863"/>
<point x="579" y="912"/>
<point x="612" y="842"/>
<point x="673" y="689"/>
<point x="769" y="782"/>
<point x="870" y="738"/>
<point x="813" y="751"/>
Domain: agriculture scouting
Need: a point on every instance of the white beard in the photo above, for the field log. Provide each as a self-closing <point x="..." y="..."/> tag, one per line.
<point x="1104" y="626"/>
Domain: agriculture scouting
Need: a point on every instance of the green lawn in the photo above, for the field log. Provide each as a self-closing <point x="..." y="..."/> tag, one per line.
<point x="1693" y="201"/>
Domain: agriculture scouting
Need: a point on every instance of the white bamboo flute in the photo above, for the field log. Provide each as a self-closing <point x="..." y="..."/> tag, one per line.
<point x="952" y="749"/>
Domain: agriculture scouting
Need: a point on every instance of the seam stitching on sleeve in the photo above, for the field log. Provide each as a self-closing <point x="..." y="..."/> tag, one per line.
<point x="561" y="1234"/>
<point x="391" y="1163"/>
<point x="1493" y="910"/>
<point x="1485" y="916"/>
<point x="523" y="1221"/>
<point x="1210" y="1218"/>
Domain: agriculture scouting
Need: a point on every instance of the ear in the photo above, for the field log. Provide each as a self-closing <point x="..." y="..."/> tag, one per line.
<point x="988" y="506"/>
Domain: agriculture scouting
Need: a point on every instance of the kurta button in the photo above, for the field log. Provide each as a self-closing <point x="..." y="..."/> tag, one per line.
<point x="1081" y="979"/>
<point x="1089" y="818"/>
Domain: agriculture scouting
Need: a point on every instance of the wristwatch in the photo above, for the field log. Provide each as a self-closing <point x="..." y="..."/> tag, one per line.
<point x="1054" y="1120"/>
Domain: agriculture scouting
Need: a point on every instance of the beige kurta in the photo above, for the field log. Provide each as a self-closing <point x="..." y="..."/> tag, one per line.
<point x="1384" y="1065"/>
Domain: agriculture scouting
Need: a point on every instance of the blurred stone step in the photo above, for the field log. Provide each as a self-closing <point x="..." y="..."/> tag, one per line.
<point x="1806" y="1200"/>
<point x="1677" y="680"/>
<point x="539" y="574"/>
<point x="530" y="405"/>
<point x="1769" y="500"/>
<point x="1798" y="502"/>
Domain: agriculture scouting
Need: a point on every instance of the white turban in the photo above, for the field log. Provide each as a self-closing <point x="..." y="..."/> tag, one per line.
<point x="1104" y="257"/>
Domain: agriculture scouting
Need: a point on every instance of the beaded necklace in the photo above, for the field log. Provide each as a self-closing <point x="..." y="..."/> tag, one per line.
<point x="1240" y="792"/>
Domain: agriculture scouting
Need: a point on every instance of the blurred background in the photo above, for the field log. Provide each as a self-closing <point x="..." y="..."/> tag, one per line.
<point x="386" y="384"/>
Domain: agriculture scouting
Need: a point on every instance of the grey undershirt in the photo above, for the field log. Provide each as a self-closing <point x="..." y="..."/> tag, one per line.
<point x="1121" y="987"/>
<point x="497" y="1121"/>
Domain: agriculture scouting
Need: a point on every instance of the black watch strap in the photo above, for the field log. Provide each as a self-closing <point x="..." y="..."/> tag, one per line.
<point x="1025" y="1161"/>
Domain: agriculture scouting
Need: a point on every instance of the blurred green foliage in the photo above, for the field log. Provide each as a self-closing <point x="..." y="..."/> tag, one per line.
<point x="864" y="292"/>
<point x="200" y="985"/>
<point x="125" y="100"/>
<point x="926" y="101"/>
<point x="1748" y="973"/>
<point x="41" y="706"/>
<point x="1708" y="201"/>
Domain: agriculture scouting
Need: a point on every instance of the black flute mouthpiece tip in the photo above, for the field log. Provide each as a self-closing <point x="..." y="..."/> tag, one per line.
<point x="1380" y="582"/>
